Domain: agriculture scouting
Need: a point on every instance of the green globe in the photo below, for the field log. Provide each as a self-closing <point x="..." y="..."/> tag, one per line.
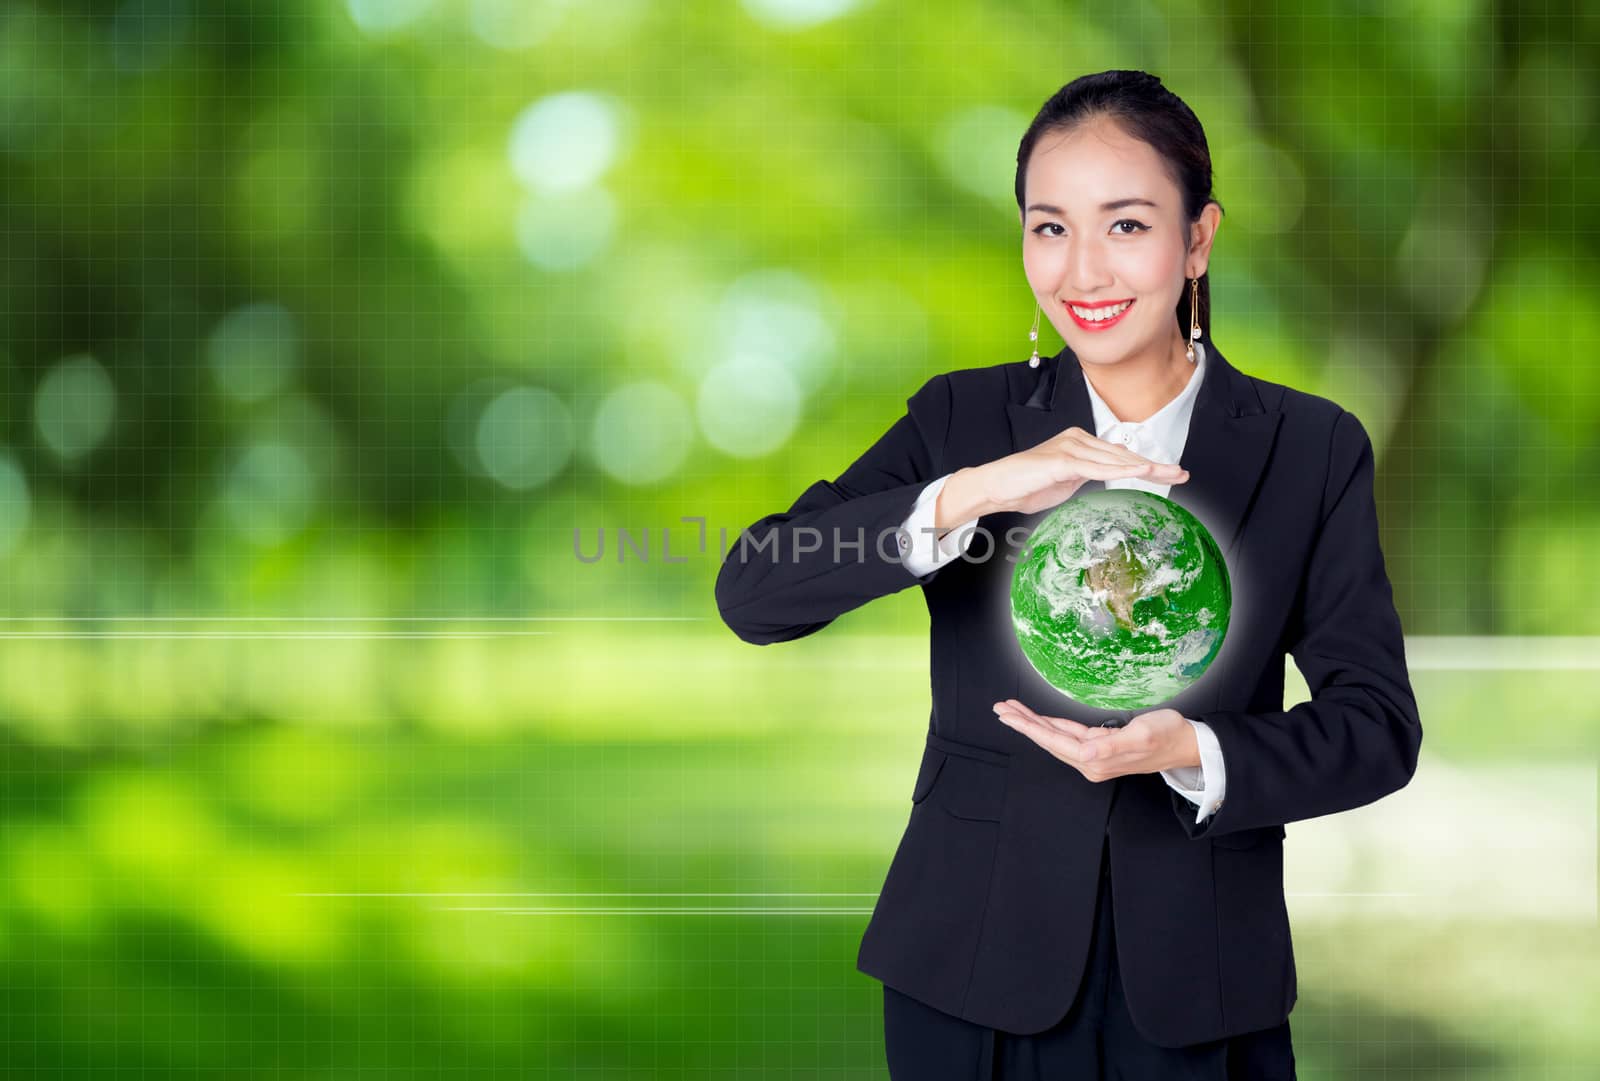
<point x="1121" y="598"/>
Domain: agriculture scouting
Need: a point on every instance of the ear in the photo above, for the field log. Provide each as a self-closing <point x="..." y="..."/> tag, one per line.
<point x="1201" y="236"/>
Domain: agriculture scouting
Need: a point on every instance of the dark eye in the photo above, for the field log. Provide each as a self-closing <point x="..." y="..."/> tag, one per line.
<point x="1139" y="226"/>
<point x="1047" y="225"/>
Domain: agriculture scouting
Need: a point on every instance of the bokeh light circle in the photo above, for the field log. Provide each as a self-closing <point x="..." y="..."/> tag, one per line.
<point x="74" y="405"/>
<point x="524" y="437"/>
<point x="15" y="503"/>
<point x="254" y="350"/>
<point x="269" y="493"/>
<point x="566" y="231"/>
<point x="641" y="432"/>
<point x="748" y="406"/>
<point x="566" y="141"/>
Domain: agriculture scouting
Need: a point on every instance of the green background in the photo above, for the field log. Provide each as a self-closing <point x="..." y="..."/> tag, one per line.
<point x="330" y="333"/>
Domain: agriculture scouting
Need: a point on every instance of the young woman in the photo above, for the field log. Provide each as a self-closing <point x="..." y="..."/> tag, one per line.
<point x="1074" y="896"/>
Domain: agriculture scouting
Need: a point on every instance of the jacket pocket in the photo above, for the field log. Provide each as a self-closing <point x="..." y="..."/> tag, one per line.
<point x="927" y="773"/>
<point x="962" y="780"/>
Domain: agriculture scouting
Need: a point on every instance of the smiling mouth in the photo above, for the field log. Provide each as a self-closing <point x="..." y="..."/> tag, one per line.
<point x="1099" y="315"/>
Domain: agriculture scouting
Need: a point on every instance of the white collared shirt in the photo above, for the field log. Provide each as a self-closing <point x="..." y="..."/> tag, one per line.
<point x="1159" y="437"/>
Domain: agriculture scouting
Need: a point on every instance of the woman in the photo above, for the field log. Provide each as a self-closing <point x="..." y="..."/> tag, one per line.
<point x="1073" y="895"/>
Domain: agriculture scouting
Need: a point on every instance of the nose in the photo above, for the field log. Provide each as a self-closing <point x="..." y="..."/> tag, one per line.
<point x="1086" y="273"/>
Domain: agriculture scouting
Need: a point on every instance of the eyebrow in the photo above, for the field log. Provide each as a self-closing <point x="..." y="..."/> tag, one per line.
<point x="1116" y="204"/>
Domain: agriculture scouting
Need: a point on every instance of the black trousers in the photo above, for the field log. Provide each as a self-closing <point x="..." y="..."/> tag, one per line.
<point x="1095" y="1041"/>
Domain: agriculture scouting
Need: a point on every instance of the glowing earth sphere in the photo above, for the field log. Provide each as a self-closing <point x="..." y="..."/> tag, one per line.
<point x="1120" y="599"/>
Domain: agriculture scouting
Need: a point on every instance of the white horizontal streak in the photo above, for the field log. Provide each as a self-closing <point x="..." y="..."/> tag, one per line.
<point x="635" y="911"/>
<point x="593" y="893"/>
<point x="351" y="619"/>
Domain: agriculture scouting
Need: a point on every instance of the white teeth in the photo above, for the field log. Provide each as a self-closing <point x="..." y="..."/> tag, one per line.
<point x="1096" y="315"/>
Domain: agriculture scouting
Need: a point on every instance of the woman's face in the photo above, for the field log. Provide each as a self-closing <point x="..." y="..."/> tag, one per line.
<point x="1103" y="222"/>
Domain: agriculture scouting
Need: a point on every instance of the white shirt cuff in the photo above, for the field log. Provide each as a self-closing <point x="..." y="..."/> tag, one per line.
<point x="1202" y="785"/>
<point x="925" y="556"/>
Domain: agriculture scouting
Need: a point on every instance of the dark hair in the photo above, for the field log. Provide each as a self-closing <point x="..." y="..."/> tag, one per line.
<point x="1146" y="110"/>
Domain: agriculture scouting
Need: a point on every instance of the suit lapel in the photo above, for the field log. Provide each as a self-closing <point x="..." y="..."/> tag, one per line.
<point x="1056" y="401"/>
<point x="1230" y="434"/>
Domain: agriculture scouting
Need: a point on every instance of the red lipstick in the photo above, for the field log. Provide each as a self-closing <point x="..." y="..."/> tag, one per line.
<point x="1103" y="324"/>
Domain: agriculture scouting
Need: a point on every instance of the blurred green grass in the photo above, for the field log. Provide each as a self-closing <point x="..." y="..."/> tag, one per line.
<point x="305" y="894"/>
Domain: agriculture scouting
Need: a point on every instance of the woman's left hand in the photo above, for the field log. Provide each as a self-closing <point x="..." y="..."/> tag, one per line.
<point x="1149" y="743"/>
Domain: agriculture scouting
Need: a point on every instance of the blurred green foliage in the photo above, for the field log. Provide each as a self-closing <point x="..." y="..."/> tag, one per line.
<point x="282" y="279"/>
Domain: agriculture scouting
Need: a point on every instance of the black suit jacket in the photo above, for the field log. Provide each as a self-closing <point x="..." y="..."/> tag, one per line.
<point x="987" y="907"/>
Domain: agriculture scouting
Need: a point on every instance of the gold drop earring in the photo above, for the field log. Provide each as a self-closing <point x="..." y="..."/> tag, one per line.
<point x="1194" y="318"/>
<point x="1033" y="336"/>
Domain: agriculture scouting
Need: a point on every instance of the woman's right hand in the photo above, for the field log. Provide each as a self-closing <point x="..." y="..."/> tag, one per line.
<point x="1048" y="474"/>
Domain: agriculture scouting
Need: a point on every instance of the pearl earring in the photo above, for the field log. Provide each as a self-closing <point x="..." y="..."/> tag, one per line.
<point x="1033" y="336"/>
<point x="1194" y="318"/>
